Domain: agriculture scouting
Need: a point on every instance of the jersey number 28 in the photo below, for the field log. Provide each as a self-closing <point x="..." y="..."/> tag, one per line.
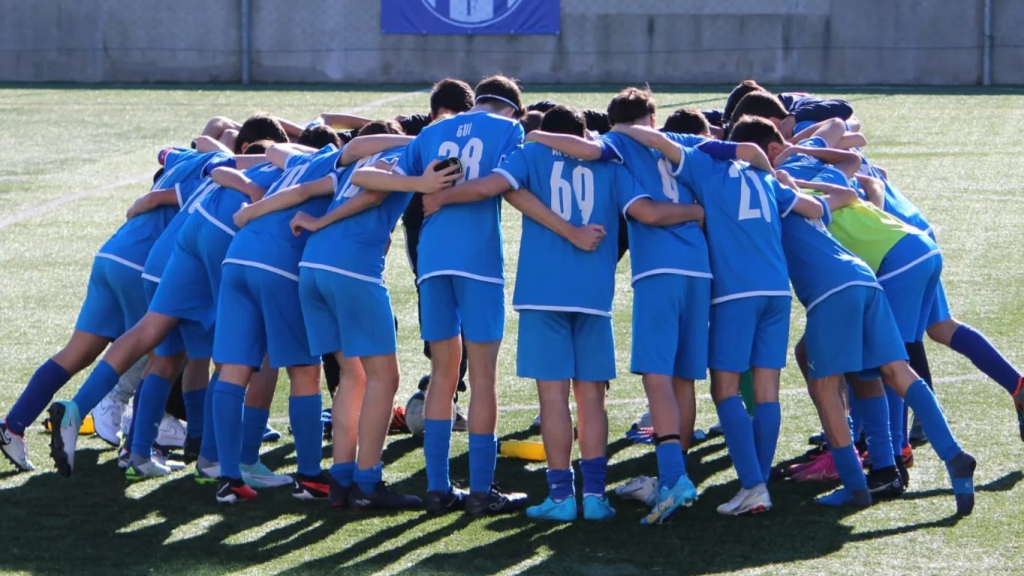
<point x="470" y="155"/>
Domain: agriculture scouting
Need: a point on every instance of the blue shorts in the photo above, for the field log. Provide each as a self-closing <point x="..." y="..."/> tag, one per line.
<point x="749" y="333"/>
<point x="115" y="300"/>
<point x="450" y="305"/>
<point x="909" y="274"/>
<point x="258" y="314"/>
<point x="670" y="326"/>
<point x="346" y="314"/>
<point x="851" y="331"/>
<point x="940" y="306"/>
<point x="191" y="280"/>
<point x="556" y="345"/>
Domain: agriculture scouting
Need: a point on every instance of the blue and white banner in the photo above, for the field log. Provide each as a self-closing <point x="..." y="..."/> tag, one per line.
<point x="470" y="16"/>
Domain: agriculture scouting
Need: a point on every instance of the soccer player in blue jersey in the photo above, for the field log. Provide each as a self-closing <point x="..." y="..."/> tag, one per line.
<point x="461" y="278"/>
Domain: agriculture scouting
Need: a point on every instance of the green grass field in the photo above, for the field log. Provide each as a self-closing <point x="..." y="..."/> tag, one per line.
<point x="73" y="159"/>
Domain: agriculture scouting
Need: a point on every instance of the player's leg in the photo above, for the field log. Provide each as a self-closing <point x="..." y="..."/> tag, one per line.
<point x="348" y="402"/>
<point x="168" y="363"/>
<point x="304" y="407"/>
<point x="592" y="422"/>
<point x="768" y="358"/>
<point x="826" y="393"/>
<point x="440" y="326"/>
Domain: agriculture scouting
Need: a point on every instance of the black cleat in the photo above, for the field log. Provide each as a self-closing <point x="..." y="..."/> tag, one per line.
<point x="338" y="496"/>
<point x="438" y="502"/>
<point x="901" y="467"/>
<point x="191" y="449"/>
<point x="383" y="498"/>
<point x="885" y="483"/>
<point x="494" y="501"/>
<point x="310" y="487"/>
<point x="961" y="474"/>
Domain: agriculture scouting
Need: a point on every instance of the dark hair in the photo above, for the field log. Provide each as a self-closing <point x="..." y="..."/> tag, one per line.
<point x="564" y="120"/>
<point x="259" y="147"/>
<point x="760" y="104"/>
<point x="542" y="106"/>
<point x="318" y="136"/>
<point x="737" y="94"/>
<point x="450" y="94"/>
<point x="756" y="130"/>
<point x="531" y="120"/>
<point x="686" y="121"/>
<point x="381" y="127"/>
<point x="500" y="91"/>
<point x="631" y="105"/>
<point x="158" y="174"/>
<point x="257" y="127"/>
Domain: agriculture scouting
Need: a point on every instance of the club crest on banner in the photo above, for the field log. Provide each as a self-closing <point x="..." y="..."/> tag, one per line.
<point x="472" y="13"/>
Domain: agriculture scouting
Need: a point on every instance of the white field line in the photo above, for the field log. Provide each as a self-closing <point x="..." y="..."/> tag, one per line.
<point x="47" y="206"/>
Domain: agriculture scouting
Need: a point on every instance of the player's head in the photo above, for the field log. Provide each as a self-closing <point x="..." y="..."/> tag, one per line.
<point x="318" y="136"/>
<point x="687" y="121"/>
<point x="564" y="120"/>
<point x="761" y="104"/>
<point x="259" y="126"/>
<point x="542" y="106"/>
<point x="737" y="94"/>
<point x="258" y="147"/>
<point x="381" y="127"/>
<point x="500" y="94"/>
<point x="761" y="132"/>
<point x="158" y="174"/>
<point x="450" y="96"/>
<point x="531" y="120"/>
<point x="633" y="106"/>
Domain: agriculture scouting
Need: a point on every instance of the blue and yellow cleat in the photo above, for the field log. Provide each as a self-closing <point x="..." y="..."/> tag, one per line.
<point x="684" y="493"/>
<point x="596" y="508"/>
<point x="556" y="511"/>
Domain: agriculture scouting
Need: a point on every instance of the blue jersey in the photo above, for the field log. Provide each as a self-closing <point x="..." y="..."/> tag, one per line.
<point x="819" y="266"/>
<point x="553" y="274"/>
<point x="220" y="206"/>
<point x="355" y="246"/>
<point x="191" y="193"/>
<point x="895" y="202"/>
<point x="804" y="167"/>
<point x="679" y="249"/>
<point x="464" y="239"/>
<point x="267" y="242"/>
<point x="742" y="208"/>
<point x="131" y="244"/>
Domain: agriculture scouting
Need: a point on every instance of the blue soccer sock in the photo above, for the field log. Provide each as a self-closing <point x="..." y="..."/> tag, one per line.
<point x="370" y="478"/>
<point x="595" y="475"/>
<point x="561" y="484"/>
<point x="983" y="354"/>
<point x="148" y="414"/>
<point x="195" y="401"/>
<point x="896" y="418"/>
<point x="304" y="417"/>
<point x="228" y="399"/>
<point x="437" y="442"/>
<point x="738" y="430"/>
<point x="483" y="458"/>
<point x="254" y="422"/>
<point x="849" y="467"/>
<point x="44" y="384"/>
<point x="344" y="473"/>
<point x="767" y="421"/>
<point x="874" y="415"/>
<point x="924" y="404"/>
<point x="99" y="383"/>
<point x="671" y="464"/>
<point x="208" y="447"/>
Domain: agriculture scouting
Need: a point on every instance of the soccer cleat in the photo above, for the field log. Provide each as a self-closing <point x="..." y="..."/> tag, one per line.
<point x="642" y="489"/>
<point x="715" y="430"/>
<point x="818" y="439"/>
<point x="270" y="434"/>
<point x="822" y="469"/>
<point x="383" y="498"/>
<point x="908" y="456"/>
<point x="554" y="510"/>
<point x="172" y="432"/>
<point x="843" y="498"/>
<point x="459" y="422"/>
<point x="901" y="469"/>
<point x="886" y="483"/>
<point x="231" y="490"/>
<point x="916" y="434"/>
<point x="310" y="487"/>
<point x="494" y="501"/>
<point x="536" y="421"/>
<point x="438" y="502"/>
<point x="190" y="452"/>
<point x="597" y="508"/>
<point x="15" y="449"/>
<point x="1018" y="404"/>
<point x="64" y="436"/>
<point x="339" y="495"/>
<point x="162" y="456"/>
<point x="147" y="469"/>
<point x="961" y="474"/>
<point x="207" y="475"/>
<point x="123" y="456"/>
<point x="397" y="425"/>
<point x="748" y="501"/>
<point x="644" y="421"/>
<point x="107" y="420"/>
<point x="259" y="476"/>
<point x="684" y="493"/>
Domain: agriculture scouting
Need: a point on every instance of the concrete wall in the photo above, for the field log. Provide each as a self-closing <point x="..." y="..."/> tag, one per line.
<point x="679" y="41"/>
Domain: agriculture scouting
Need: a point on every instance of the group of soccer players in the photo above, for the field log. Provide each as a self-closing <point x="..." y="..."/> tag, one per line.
<point x="262" y="247"/>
